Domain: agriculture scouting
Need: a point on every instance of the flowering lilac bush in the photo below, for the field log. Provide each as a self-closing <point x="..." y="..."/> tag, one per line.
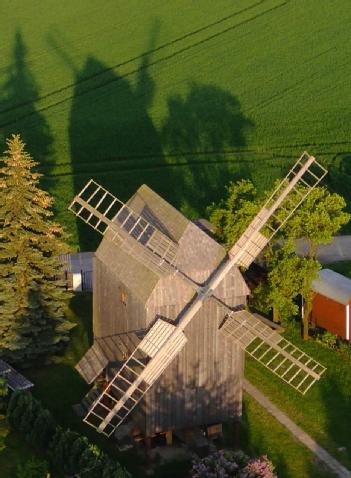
<point x="259" y="468"/>
<point x="230" y="464"/>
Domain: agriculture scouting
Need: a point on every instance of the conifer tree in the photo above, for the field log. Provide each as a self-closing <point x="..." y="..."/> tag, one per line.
<point x="32" y="298"/>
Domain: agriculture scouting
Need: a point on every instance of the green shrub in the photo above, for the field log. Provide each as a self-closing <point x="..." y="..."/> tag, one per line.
<point x="4" y="431"/>
<point x="345" y="350"/>
<point x="69" y="452"/>
<point x="328" y="340"/>
<point x="33" y="468"/>
<point x="18" y="405"/>
<point x="42" y="430"/>
<point x="3" y="393"/>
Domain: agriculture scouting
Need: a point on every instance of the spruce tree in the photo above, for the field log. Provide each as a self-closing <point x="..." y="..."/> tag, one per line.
<point x="32" y="297"/>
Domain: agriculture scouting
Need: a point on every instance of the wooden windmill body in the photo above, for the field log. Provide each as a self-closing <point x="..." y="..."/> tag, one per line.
<point x="170" y="324"/>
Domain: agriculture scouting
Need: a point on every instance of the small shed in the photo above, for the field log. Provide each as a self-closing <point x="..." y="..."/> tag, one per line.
<point x="331" y="304"/>
<point x="14" y="379"/>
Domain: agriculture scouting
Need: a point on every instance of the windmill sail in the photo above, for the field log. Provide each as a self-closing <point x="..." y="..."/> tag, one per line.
<point x="104" y="212"/>
<point x="278" y="209"/>
<point x="148" y="361"/>
<point x="272" y="350"/>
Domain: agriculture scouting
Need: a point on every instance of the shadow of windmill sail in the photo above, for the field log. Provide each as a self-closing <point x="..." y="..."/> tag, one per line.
<point x="18" y="111"/>
<point x="110" y="130"/>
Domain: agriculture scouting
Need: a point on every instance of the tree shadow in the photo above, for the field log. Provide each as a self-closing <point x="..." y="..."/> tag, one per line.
<point x="18" y="113"/>
<point x="336" y="397"/>
<point x="111" y="132"/>
<point x="203" y="131"/>
<point x="115" y="139"/>
<point x="339" y="180"/>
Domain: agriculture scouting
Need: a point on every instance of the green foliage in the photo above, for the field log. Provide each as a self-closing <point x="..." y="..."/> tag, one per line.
<point x="33" y="468"/>
<point x="345" y="350"/>
<point x="3" y="388"/>
<point x="328" y="339"/>
<point x="4" y="431"/>
<point x="318" y="219"/>
<point x="29" y="415"/>
<point x="3" y="393"/>
<point x="17" y="408"/>
<point x="68" y="451"/>
<point x="32" y="299"/>
<point x="235" y="212"/>
<point x="42" y="430"/>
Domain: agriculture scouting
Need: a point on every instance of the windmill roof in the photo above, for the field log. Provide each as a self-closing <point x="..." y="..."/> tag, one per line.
<point x="333" y="285"/>
<point x="198" y="254"/>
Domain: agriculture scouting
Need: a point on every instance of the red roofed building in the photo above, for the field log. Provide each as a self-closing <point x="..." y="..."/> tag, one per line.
<point x="331" y="304"/>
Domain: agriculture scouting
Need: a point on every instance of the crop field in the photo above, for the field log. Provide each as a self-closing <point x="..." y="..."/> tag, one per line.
<point x="184" y="96"/>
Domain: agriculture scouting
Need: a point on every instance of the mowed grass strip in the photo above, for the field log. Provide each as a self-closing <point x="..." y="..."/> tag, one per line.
<point x="325" y="411"/>
<point x="262" y="434"/>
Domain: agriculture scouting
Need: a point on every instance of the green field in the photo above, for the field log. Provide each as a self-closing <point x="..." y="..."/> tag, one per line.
<point x="181" y="95"/>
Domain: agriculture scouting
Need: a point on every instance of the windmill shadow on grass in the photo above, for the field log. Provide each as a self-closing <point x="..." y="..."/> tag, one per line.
<point x="203" y="131"/>
<point x="112" y="136"/>
<point x="18" y="113"/>
<point x="335" y="396"/>
<point x="114" y="140"/>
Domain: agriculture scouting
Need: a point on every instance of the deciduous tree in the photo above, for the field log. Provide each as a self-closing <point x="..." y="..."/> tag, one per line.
<point x="317" y="221"/>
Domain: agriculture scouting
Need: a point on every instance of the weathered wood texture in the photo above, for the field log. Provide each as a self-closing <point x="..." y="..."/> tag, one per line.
<point x="203" y="384"/>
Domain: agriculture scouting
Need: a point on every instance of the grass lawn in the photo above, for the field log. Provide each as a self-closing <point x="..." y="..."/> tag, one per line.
<point x="263" y="435"/>
<point x="180" y="97"/>
<point x="343" y="267"/>
<point x="325" y="411"/>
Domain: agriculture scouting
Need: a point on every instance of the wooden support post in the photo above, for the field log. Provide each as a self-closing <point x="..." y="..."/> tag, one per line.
<point x="147" y="442"/>
<point x="236" y="434"/>
<point x="169" y="437"/>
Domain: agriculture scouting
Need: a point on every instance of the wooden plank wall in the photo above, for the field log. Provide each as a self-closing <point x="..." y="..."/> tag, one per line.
<point x="203" y="385"/>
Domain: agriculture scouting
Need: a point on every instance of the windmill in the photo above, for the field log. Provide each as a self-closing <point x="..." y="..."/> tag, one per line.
<point x="142" y="239"/>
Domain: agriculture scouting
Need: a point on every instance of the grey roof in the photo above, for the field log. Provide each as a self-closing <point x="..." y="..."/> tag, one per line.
<point x="198" y="254"/>
<point x="4" y="367"/>
<point x="77" y="262"/>
<point x="14" y="379"/>
<point x="138" y="278"/>
<point x="158" y="212"/>
<point x="333" y="285"/>
<point x="92" y="363"/>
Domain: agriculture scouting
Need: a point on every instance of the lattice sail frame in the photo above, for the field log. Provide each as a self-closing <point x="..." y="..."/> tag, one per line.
<point x="278" y="208"/>
<point x="273" y="351"/>
<point x="148" y="361"/>
<point x="103" y="211"/>
<point x="105" y="417"/>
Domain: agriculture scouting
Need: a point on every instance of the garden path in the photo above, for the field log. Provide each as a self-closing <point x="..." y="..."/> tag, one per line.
<point x="338" y="250"/>
<point x="335" y="466"/>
